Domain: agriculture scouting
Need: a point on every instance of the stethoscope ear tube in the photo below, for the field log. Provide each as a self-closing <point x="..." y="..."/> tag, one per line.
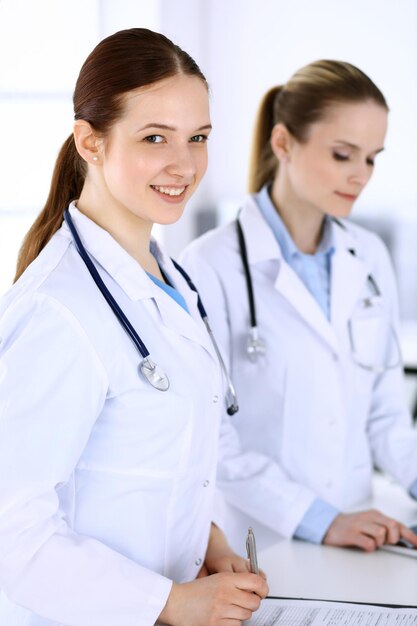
<point x="152" y="372"/>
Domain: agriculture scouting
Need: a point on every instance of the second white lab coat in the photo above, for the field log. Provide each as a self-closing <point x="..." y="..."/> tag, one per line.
<point x="106" y="484"/>
<point x="311" y="422"/>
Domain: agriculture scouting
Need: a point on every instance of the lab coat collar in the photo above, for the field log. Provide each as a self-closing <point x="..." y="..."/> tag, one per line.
<point x="349" y="273"/>
<point x="111" y="256"/>
<point x="265" y="247"/>
<point x="172" y="314"/>
<point x="135" y="282"/>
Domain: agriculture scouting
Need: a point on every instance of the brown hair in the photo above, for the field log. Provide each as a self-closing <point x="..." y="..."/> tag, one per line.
<point x="302" y="101"/>
<point x="125" y="61"/>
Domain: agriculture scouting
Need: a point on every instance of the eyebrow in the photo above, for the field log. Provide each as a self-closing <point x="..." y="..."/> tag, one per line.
<point x="165" y="127"/>
<point x="354" y="146"/>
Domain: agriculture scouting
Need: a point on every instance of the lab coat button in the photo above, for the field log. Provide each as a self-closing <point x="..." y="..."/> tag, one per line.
<point x="215" y="399"/>
<point x="206" y="483"/>
<point x="198" y="562"/>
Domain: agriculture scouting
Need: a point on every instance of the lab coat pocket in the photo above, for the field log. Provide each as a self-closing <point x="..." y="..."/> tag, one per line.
<point x="368" y="329"/>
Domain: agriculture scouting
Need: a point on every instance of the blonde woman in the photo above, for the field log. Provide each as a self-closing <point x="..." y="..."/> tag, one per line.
<point x="305" y="306"/>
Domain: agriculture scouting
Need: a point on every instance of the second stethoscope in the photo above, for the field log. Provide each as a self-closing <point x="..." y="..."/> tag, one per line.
<point x="256" y="346"/>
<point x="149" y="369"/>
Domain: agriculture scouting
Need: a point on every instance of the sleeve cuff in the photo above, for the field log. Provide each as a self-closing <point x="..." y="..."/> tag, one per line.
<point x="317" y="520"/>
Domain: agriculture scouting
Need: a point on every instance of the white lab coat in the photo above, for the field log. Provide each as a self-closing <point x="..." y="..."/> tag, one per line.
<point x="106" y="484"/>
<point x="311" y="422"/>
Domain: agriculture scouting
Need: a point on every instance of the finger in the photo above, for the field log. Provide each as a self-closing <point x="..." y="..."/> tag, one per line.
<point x="408" y="534"/>
<point x="376" y="532"/>
<point x="246" y="600"/>
<point x="379" y="518"/>
<point x="240" y="565"/>
<point x="252" y="582"/>
<point x="262" y="573"/>
<point x="226" y="566"/>
<point x="364" y="542"/>
<point x="393" y="532"/>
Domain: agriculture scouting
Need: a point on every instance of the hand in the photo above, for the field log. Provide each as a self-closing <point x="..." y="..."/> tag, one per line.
<point x="225" y="599"/>
<point x="367" y="530"/>
<point x="220" y="557"/>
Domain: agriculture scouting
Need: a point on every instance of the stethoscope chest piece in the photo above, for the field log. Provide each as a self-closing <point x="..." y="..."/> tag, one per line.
<point x="255" y="346"/>
<point x="154" y="374"/>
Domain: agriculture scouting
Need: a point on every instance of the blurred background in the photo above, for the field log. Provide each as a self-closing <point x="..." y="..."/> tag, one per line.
<point x="243" y="47"/>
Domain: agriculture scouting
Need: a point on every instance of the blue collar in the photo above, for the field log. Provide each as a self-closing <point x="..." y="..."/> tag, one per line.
<point x="283" y="237"/>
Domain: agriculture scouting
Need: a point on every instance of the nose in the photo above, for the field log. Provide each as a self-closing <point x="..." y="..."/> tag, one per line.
<point x="361" y="174"/>
<point x="182" y="164"/>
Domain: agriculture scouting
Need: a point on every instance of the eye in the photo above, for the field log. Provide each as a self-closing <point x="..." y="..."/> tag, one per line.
<point x="338" y="156"/>
<point x="199" y="139"/>
<point x="370" y="162"/>
<point x="154" y="139"/>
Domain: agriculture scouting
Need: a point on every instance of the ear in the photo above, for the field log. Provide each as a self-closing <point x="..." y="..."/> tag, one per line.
<point x="86" y="142"/>
<point x="281" y="141"/>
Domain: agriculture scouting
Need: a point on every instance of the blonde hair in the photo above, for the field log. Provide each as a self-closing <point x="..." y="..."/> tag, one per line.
<point x="303" y="100"/>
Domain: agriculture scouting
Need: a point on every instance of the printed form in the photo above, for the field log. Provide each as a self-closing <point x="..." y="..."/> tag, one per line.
<point x="279" y="612"/>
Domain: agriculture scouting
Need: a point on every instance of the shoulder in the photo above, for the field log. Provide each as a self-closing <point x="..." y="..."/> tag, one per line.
<point x="37" y="273"/>
<point x="209" y="245"/>
<point x="38" y="305"/>
<point x="223" y="240"/>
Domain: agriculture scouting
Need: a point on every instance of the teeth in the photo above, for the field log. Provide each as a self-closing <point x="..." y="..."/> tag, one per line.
<point x="169" y="191"/>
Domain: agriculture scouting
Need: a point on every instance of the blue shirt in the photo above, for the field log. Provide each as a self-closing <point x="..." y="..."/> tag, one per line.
<point x="312" y="269"/>
<point x="171" y="291"/>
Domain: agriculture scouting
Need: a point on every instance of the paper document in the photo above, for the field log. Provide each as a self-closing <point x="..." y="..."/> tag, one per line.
<point x="278" y="612"/>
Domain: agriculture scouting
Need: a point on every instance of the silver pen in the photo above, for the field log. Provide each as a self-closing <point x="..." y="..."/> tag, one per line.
<point x="251" y="550"/>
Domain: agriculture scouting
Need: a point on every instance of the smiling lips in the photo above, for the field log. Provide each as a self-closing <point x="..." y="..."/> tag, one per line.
<point x="170" y="193"/>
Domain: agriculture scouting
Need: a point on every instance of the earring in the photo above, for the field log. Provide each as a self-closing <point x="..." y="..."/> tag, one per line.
<point x="95" y="158"/>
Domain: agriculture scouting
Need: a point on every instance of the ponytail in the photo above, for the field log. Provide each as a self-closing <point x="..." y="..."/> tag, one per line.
<point x="67" y="182"/>
<point x="263" y="163"/>
<point x="119" y="64"/>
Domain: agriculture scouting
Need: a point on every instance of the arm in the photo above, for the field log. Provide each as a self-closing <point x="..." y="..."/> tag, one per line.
<point x="52" y="389"/>
<point x="45" y="422"/>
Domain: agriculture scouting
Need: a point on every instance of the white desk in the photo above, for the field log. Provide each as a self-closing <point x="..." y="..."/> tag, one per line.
<point x="297" y="569"/>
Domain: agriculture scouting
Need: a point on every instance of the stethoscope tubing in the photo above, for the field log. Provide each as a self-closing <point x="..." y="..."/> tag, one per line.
<point x="148" y="367"/>
<point x="121" y="317"/>
<point x="252" y="306"/>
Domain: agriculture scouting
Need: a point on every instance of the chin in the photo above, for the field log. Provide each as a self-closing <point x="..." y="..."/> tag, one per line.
<point x="170" y="217"/>
<point x="341" y="213"/>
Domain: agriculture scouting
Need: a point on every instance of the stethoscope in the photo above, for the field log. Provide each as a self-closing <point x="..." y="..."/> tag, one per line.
<point x="256" y="347"/>
<point x="153" y="373"/>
